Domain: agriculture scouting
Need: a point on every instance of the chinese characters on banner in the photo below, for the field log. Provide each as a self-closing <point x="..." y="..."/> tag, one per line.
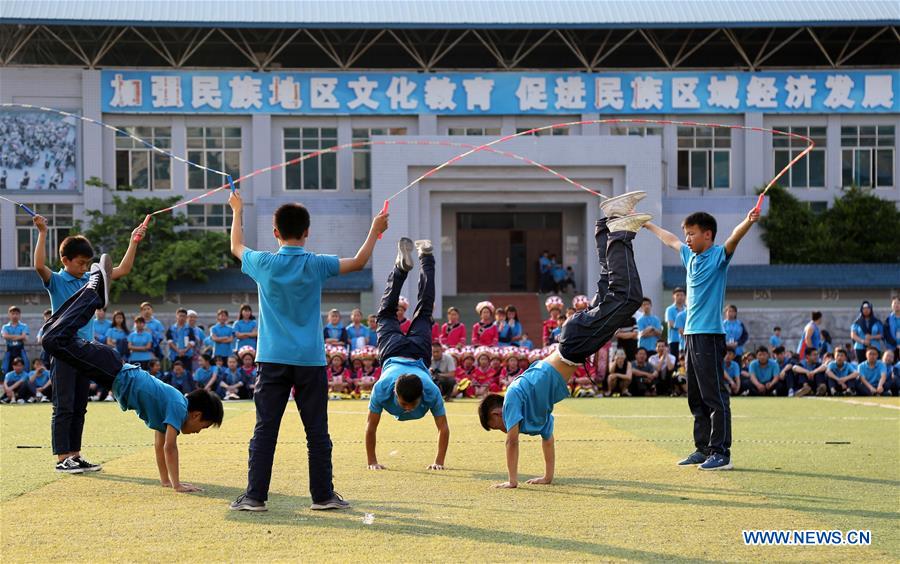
<point x="379" y="93"/>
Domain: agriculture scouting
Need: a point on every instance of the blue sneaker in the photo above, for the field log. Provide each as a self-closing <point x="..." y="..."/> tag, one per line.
<point x="694" y="459"/>
<point x="717" y="462"/>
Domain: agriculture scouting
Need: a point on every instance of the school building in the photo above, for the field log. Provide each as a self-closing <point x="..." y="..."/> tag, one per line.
<point x="257" y="84"/>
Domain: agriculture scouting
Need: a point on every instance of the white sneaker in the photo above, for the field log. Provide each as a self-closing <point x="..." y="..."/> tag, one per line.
<point x="20" y="401"/>
<point x="632" y="222"/>
<point x="424" y="247"/>
<point x="621" y="205"/>
<point x="110" y="398"/>
<point x="404" y="254"/>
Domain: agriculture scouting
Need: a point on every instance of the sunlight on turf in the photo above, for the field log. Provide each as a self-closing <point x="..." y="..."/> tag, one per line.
<point x="617" y="496"/>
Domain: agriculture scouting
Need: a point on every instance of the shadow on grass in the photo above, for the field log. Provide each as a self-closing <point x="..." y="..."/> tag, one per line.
<point x="398" y="518"/>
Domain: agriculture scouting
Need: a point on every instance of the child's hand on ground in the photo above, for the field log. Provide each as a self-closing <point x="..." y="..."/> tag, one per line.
<point x="40" y="222"/>
<point x="184" y="487"/>
<point x="540" y="480"/>
<point x="380" y="223"/>
<point x="435" y="467"/>
<point x="506" y="485"/>
<point x="235" y="201"/>
<point x="377" y="467"/>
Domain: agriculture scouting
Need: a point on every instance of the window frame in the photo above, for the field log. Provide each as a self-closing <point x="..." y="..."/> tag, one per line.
<point x="367" y="150"/>
<point x="226" y="218"/>
<point x="709" y="152"/>
<point x="205" y="150"/>
<point x="23" y="224"/>
<point x="290" y="154"/>
<point x="794" y="147"/>
<point x="856" y="149"/>
<point x="153" y="157"/>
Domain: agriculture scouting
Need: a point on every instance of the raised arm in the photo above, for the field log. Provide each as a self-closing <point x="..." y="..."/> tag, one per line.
<point x="128" y="260"/>
<point x="40" y="250"/>
<point x="237" y="229"/>
<point x="443" y="442"/>
<point x="379" y="226"/>
<point x="668" y="238"/>
<point x="742" y="228"/>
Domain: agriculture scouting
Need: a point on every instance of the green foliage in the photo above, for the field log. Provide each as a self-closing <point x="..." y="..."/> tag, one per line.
<point x="859" y="228"/>
<point x="164" y="254"/>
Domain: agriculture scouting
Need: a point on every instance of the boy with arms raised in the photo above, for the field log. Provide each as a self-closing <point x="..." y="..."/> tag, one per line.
<point x="405" y="389"/>
<point x="704" y="332"/>
<point x="528" y="405"/>
<point x="70" y="387"/>
<point x="291" y="352"/>
<point x="163" y="408"/>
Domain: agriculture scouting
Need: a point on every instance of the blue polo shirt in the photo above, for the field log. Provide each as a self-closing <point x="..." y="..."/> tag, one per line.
<point x="181" y="337"/>
<point x="680" y="321"/>
<point x="156" y="328"/>
<point x="12" y="377"/>
<point x="840" y="371"/>
<point x="101" y="327"/>
<point x="220" y="330"/>
<point x="764" y="374"/>
<point x="877" y="329"/>
<point x="775" y="341"/>
<point x="733" y="370"/>
<point x="17" y="329"/>
<point x="156" y="403"/>
<point x="40" y="380"/>
<point x="648" y="343"/>
<point x="384" y="398"/>
<point x="141" y="339"/>
<point x="872" y="373"/>
<point x="242" y="326"/>
<point x="290" y="303"/>
<point x="733" y="331"/>
<point x="202" y="375"/>
<point x="530" y="398"/>
<point x="706" y="277"/>
<point x="230" y="378"/>
<point x="672" y="315"/>
<point x="61" y="286"/>
<point x="353" y="334"/>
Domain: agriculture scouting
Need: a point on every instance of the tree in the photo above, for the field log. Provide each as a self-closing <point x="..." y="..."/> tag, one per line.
<point x="166" y="253"/>
<point x="790" y="230"/>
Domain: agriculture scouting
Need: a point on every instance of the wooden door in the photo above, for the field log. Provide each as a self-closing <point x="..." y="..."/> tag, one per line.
<point x="482" y="258"/>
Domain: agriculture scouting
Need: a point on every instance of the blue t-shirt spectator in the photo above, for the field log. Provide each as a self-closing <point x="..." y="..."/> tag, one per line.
<point x="120" y="340"/>
<point x="229" y="377"/>
<point x="530" y="398"/>
<point x="245" y="326"/>
<point x="892" y="330"/>
<point x="12" y="377"/>
<point x="40" y="380"/>
<point x="775" y="341"/>
<point x="735" y="334"/>
<point x="290" y="303"/>
<point x="706" y="277"/>
<point x="644" y="322"/>
<point x="221" y="330"/>
<point x="764" y="374"/>
<point x="733" y="370"/>
<point x="872" y="373"/>
<point x="874" y="328"/>
<point x="545" y="264"/>
<point x="101" y="327"/>
<point x="157" y="329"/>
<point x="671" y="315"/>
<point x="332" y="331"/>
<point x="840" y="371"/>
<point x="355" y="334"/>
<point x="16" y="330"/>
<point x="384" y="397"/>
<point x="526" y="344"/>
<point x="203" y="375"/>
<point x="155" y="402"/>
<point x="680" y="322"/>
<point x="181" y="337"/>
<point x="140" y="339"/>
<point x="61" y="286"/>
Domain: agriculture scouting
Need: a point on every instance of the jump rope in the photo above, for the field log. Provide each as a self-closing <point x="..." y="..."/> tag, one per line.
<point x="231" y="183"/>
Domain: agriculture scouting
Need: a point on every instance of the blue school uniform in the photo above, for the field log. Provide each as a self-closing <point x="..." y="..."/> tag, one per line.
<point x="526" y="344"/>
<point x="242" y="326"/>
<point x="155" y="402"/>
<point x="644" y="322"/>
<point x="141" y="339"/>
<point x="734" y="330"/>
<point x="290" y="303"/>
<point x="510" y="332"/>
<point x="354" y="334"/>
<point x="373" y="338"/>
<point x="384" y="398"/>
<point x="203" y="375"/>
<point x="101" y="327"/>
<point x="733" y="370"/>
<point x="12" y="377"/>
<point x="775" y="341"/>
<point x="221" y="330"/>
<point x="156" y="328"/>
<point x="877" y="329"/>
<point x="840" y="371"/>
<point x="764" y="374"/>
<point x="40" y="380"/>
<point x="61" y="286"/>
<point x="229" y="377"/>
<point x="14" y="348"/>
<point x="672" y="315"/>
<point x="680" y="322"/>
<point x="530" y="398"/>
<point x="120" y="338"/>
<point x="706" y="277"/>
<point x="873" y="373"/>
<point x="182" y="338"/>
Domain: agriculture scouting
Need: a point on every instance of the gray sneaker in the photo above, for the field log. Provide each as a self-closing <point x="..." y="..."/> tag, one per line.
<point x="621" y="205"/>
<point x="244" y="503"/>
<point x="632" y="222"/>
<point x="424" y="247"/>
<point x="404" y="254"/>
<point x="694" y="459"/>
<point x="336" y="502"/>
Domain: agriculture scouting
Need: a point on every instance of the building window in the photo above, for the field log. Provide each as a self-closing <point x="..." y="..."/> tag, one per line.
<point x="362" y="156"/>
<point x="137" y="166"/>
<point x="316" y="173"/>
<point x="816" y="207"/>
<point x="483" y="131"/>
<point x="218" y="148"/>
<point x="59" y="223"/>
<point x="636" y="130"/>
<point x="543" y="132"/>
<point x="808" y="172"/>
<point x="209" y="217"/>
<point x="867" y="156"/>
<point x="704" y="157"/>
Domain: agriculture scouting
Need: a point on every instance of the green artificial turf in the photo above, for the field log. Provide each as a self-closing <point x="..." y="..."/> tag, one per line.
<point x="617" y="494"/>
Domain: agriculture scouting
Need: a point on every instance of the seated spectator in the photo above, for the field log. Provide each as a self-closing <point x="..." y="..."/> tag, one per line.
<point x="402" y="306"/>
<point x="485" y="333"/>
<point x="15" y="384"/>
<point x="453" y="333"/>
<point x="339" y="384"/>
<point x="486" y="379"/>
<point x="842" y="378"/>
<point x="155" y="370"/>
<point x="335" y="332"/>
<point x="866" y="331"/>
<point x="766" y="376"/>
<point x="525" y="343"/>
<point x="207" y="375"/>
<point x="40" y="383"/>
<point x="369" y="374"/>
<point x="664" y="364"/>
<point x="775" y="339"/>
<point x="465" y="373"/>
<point x="557" y="331"/>
<point x="873" y="374"/>
<point x="247" y="357"/>
<point x="554" y="305"/>
<point x="443" y="371"/>
<point x="680" y="377"/>
<point x="808" y="375"/>
<point x="826" y="347"/>
<point x="735" y="332"/>
<point x="627" y="339"/>
<point x="745" y="369"/>
<point x="373" y="330"/>
<point x="643" y="377"/>
<point x="619" y="376"/>
<point x="892" y="328"/>
<point x="357" y="333"/>
<point x="231" y="381"/>
<point x="892" y="384"/>
<point x="583" y="383"/>
<point x="732" y="372"/>
<point x="580" y="302"/>
<point x="516" y="359"/>
<point x="180" y="379"/>
<point x="140" y="344"/>
<point x="504" y="338"/>
<point x="514" y="326"/>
